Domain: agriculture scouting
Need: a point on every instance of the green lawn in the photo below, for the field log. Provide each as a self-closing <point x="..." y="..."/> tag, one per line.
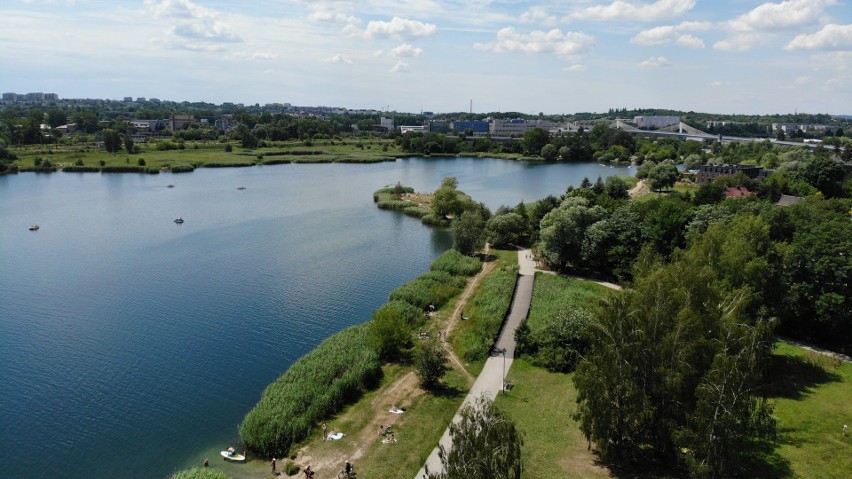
<point x="812" y="396"/>
<point x="813" y="400"/>
<point x="200" y="153"/>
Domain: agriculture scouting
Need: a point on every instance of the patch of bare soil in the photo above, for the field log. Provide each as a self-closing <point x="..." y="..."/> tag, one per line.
<point x="641" y="189"/>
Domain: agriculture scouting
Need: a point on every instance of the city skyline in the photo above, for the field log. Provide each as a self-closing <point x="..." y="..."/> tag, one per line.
<point x="730" y="56"/>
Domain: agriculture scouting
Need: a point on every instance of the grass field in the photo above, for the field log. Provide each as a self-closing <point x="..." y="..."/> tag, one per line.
<point x="812" y="396"/>
<point x="201" y="153"/>
<point x="813" y="400"/>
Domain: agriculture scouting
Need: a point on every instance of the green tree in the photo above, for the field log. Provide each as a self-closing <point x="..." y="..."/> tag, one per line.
<point x="128" y="143"/>
<point x="485" y="445"/>
<point x="392" y="328"/>
<point x="616" y="188"/>
<point x="663" y="175"/>
<point x="56" y="117"/>
<point x="507" y="230"/>
<point x="430" y="363"/>
<point x="563" y="230"/>
<point x="549" y="152"/>
<point x="446" y="202"/>
<point x="468" y="232"/>
<point x="112" y="140"/>
<point x="534" y="140"/>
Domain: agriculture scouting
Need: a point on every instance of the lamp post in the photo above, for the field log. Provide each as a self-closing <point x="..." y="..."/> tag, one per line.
<point x="503" y="378"/>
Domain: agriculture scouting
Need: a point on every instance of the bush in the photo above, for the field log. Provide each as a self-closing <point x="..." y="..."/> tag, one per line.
<point x="199" y="473"/>
<point x="227" y="164"/>
<point x="182" y="168"/>
<point x="317" y="385"/>
<point x="121" y="169"/>
<point x="486" y="311"/>
<point x="81" y="169"/>
<point x="434" y="288"/>
<point x="456" y="264"/>
<point x="229" y="148"/>
<point x="152" y="170"/>
<point x="430" y="363"/>
<point x="290" y="468"/>
<point x="561" y="310"/>
<point x="392" y="328"/>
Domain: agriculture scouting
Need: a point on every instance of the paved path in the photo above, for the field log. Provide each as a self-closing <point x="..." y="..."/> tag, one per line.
<point x="490" y="380"/>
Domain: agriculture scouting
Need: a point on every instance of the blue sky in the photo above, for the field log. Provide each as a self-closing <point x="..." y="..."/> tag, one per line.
<point x="718" y="56"/>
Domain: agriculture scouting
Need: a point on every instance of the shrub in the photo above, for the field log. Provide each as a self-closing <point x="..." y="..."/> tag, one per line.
<point x="182" y="168"/>
<point x="317" y="385"/>
<point x="81" y="169"/>
<point x="152" y="170"/>
<point x="229" y="148"/>
<point x="290" y="468"/>
<point x="434" y="288"/>
<point x="392" y="328"/>
<point x="430" y="363"/>
<point x="456" y="264"/>
<point x="199" y="473"/>
<point x="486" y="311"/>
<point x="141" y="162"/>
<point x="121" y="169"/>
<point x="227" y="164"/>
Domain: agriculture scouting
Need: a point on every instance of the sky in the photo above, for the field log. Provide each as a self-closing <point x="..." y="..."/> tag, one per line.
<point x="714" y="56"/>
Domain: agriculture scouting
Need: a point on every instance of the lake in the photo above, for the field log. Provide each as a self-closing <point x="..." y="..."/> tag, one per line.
<point x="133" y="346"/>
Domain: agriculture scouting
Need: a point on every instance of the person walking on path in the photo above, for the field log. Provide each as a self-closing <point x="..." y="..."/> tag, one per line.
<point x="273" y="465"/>
<point x="324" y="430"/>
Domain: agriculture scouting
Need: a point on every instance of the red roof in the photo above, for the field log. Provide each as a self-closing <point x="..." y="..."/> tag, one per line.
<point x="737" y="192"/>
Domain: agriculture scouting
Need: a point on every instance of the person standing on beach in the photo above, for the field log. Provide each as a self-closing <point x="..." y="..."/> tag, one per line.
<point x="324" y="431"/>
<point x="207" y="463"/>
<point x="273" y="465"/>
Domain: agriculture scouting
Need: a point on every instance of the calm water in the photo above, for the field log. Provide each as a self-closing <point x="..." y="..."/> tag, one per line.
<point x="130" y="344"/>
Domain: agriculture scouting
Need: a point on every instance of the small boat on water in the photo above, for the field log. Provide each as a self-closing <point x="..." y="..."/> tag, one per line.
<point x="170" y="186"/>
<point x="231" y="455"/>
<point x="178" y="220"/>
<point x="241" y="187"/>
<point x="34" y="227"/>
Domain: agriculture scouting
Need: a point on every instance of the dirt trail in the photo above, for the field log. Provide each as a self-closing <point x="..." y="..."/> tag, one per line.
<point x="641" y="189"/>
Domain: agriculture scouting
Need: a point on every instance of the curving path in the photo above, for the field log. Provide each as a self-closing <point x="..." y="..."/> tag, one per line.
<point x="490" y="380"/>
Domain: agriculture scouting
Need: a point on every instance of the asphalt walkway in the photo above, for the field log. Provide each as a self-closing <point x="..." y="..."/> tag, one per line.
<point x="490" y="380"/>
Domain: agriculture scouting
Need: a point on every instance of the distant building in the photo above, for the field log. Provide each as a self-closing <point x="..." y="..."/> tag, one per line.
<point x="516" y="127"/>
<point x="386" y="123"/>
<point x="412" y="129"/>
<point x="478" y="127"/>
<point x="709" y="173"/>
<point x="439" y="126"/>
<point x="176" y="122"/>
<point x="10" y="97"/>
<point x="648" y="122"/>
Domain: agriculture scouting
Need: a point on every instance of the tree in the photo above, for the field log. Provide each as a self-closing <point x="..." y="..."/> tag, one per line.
<point x="534" y="140"/>
<point x="824" y="174"/>
<point x="663" y="175"/>
<point x="392" y="327"/>
<point x="468" y="232"/>
<point x="485" y="445"/>
<point x="430" y="363"/>
<point x="616" y="188"/>
<point x="112" y="140"/>
<point x="563" y="230"/>
<point x="128" y="143"/>
<point x="506" y="230"/>
<point x="56" y="117"/>
<point x="678" y="336"/>
<point x="549" y="152"/>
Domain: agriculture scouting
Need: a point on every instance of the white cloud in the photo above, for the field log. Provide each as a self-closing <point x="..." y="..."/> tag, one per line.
<point x="339" y="59"/>
<point x="577" y="68"/>
<point x="406" y="50"/>
<point x="802" y="80"/>
<point x="642" y="11"/>
<point x="671" y="33"/>
<point x="400" y="67"/>
<point x="538" y="14"/>
<point x="773" y="16"/>
<point x="192" y="25"/>
<point x="264" y="56"/>
<point x="655" y="62"/>
<point x="329" y="16"/>
<point x="738" y="43"/>
<point x="537" y="41"/>
<point x="831" y="37"/>
<point x="690" y="41"/>
<point x="399" y="28"/>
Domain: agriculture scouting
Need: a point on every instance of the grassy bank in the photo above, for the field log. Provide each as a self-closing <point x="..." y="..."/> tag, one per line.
<point x="207" y="154"/>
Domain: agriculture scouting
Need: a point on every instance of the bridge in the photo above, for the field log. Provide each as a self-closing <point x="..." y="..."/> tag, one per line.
<point x="685" y="132"/>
